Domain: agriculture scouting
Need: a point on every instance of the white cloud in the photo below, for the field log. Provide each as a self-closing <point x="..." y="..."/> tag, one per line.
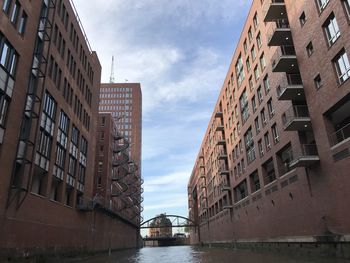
<point x="168" y="47"/>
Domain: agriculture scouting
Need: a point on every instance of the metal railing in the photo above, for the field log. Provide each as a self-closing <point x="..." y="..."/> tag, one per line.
<point x="279" y="24"/>
<point x="282" y="51"/>
<point x="294" y="112"/>
<point x="292" y="80"/>
<point x="305" y="150"/>
<point x="340" y="135"/>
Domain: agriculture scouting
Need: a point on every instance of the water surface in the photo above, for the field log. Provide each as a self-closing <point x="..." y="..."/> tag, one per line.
<point x="188" y="254"/>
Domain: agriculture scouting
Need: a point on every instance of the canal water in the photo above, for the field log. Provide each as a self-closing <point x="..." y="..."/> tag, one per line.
<point x="187" y="254"/>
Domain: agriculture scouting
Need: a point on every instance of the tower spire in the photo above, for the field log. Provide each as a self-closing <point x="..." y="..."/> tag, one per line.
<point x="111" y="80"/>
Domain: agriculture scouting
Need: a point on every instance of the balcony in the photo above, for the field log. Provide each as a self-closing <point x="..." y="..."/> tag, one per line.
<point x="219" y="114"/>
<point x="221" y="142"/>
<point x="275" y="11"/>
<point x="219" y="128"/>
<point x="341" y="135"/>
<point x="297" y="118"/>
<point x="281" y="35"/>
<point x="305" y="156"/>
<point x="223" y="171"/>
<point x="293" y="90"/>
<point x="222" y="155"/>
<point x="225" y="188"/>
<point x="227" y="207"/>
<point x="285" y="60"/>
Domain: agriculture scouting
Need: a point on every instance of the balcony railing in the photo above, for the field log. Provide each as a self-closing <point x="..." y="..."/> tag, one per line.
<point x="341" y="135"/>
<point x="285" y="60"/>
<point x="221" y="141"/>
<point x="292" y="90"/>
<point x="297" y="118"/>
<point x="219" y="114"/>
<point x="280" y="34"/>
<point x="304" y="156"/>
<point x="276" y="10"/>
<point x="222" y="155"/>
<point x="223" y="170"/>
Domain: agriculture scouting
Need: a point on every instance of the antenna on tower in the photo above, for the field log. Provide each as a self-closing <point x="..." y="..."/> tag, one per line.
<point x="111" y="80"/>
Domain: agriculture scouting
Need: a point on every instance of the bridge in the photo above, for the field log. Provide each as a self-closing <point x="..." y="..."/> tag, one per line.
<point x="164" y="237"/>
<point x="176" y="221"/>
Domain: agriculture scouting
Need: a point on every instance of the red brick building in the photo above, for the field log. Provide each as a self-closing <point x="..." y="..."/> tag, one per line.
<point x="124" y="102"/>
<point x="273" y="165"/>
<point x="117" y="176"/>
<point x="49" y="91"/>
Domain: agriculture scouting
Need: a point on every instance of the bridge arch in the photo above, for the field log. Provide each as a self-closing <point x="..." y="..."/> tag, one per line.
<point x="176" y="220"/>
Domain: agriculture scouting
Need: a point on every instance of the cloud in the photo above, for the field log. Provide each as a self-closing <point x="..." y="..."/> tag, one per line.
<point x="173" y="180"/>
<point x="179" y="51"/>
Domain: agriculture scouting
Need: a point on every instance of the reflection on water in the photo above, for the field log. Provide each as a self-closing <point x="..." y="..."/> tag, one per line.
<point x="187" y="254"/>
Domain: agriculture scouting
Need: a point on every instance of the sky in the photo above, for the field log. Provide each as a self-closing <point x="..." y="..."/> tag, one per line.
<point x="180" y="52"/>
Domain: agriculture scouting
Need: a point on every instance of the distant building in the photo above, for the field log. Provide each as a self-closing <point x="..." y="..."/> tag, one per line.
<point x="274" y="162"/>
<point x="124" y="102"/>
<point x="161" y="227"/>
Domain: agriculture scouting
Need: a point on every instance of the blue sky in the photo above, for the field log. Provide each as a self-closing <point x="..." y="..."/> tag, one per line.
<point x="180" y="52"/>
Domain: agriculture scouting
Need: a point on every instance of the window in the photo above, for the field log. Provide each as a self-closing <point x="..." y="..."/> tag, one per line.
<point x="72" y="165"/>
<point x="83" y="146"/>
<point x="22" y="23"/>
<point x="260" y="95"/>
<point x="263" y="117"/>
<point x="269" y="172"/>
<point x="270" y="108"/>
<point x="8" y="56"/>
<point x="4" y="103"/>
<point x="240" y="70"/>
<point x="60" y="156"/>
<point x="241" y="191"/>
<point x="257" y="125"/>
<point x="244" y="106"/>
<point x="341" y="62"/>
<point x="245" y="46"/>
<point x="251" y="84"/>
<point x="302" y="19"/>
<point x="248" y="64"/>
<point x="6" y="6"/>
<point x="258" y="41"/>
<point x="322" y="4"/>
<point x="254" y="181"/>
<point x="261" y="148"/>
<point x="318" y="81"/>
<point x="44" y="146"/>
<point x="332" y="29"/>
<point x="254" y="103"/>
<point x="250" y="35"/>
<point x="75" y="136"/>
<point x="249" y="144"/>
<point x="310" y="49"/>
<point x="267" y="84"/>
<point x="347" y="6"/>
<point x="253" y="52"/>
<point x="267" y="141"/>
<point x="255" y="21"/>
<point x="256" y="73"/>
<point x="15" y="11"/>
<point x="275" y="135"/>
<point x="262" y="62"/>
